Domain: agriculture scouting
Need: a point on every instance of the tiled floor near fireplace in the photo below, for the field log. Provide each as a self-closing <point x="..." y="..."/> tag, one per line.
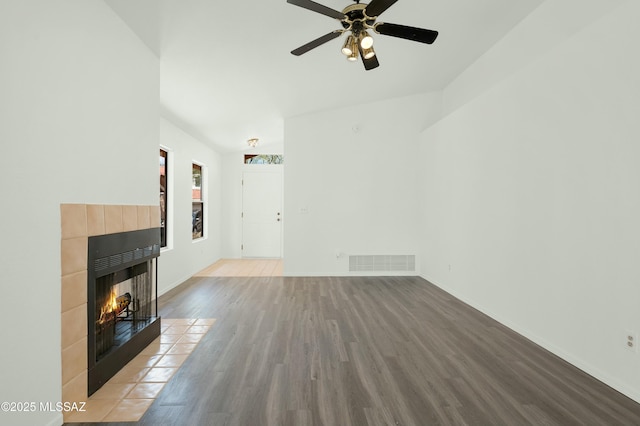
<point x="128" y="395"/>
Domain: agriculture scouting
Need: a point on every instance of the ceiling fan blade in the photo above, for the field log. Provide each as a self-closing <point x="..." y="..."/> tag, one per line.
<point x="317" y="42"/>
<point x="317" y="7"/>
<point x="376" y="7"/>
<point x="409" y="33"/>
<point x="370" y="63"/>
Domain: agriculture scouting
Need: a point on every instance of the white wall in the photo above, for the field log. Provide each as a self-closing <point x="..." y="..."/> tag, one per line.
<point x="78" y="123"/>
<point x="354" y="171"/>
<point x="185" y="256"/>
<point x="524" y="44"/>
<point x="530" y="193"/>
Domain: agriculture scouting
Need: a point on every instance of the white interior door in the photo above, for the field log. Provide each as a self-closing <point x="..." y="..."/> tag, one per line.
<point x="262" y="214"/>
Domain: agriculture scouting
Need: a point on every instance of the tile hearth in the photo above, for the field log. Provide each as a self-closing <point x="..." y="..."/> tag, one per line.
<point x="128" y="395"/>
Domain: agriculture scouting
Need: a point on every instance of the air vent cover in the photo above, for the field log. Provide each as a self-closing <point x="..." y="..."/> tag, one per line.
<point x="382" y="262"/>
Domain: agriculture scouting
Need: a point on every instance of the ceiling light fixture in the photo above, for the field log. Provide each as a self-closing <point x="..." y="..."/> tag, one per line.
<point x="354" y="49"/>
<point x="348" y="44"/>
<point x="253" y="142"/>
<point x="366" y="41"/>
<point x="359" y="44"/>
<point x="368" y="53"/>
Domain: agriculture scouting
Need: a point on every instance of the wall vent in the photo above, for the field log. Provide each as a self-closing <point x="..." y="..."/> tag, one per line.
<point x="382" y="262"/>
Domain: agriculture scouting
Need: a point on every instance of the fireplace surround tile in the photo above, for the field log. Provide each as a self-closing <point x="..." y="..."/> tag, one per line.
<point x="75" y="390"/>
<point x="130" y="374"/>
<point x="145" y="361"/>
<point x="95" y="410"/>
<point x="74" y="360"/>
<point x="73" y="253"/>
<point x="190" y="338"/>
<point x="145" y="390"/>
<point x="198" y="329"/>
<point x="170" y="338"/>
<point x="159" y="374"/>
<point x="154" y="216"/>
<point x="129" y="218"/>
<point x="95" y="220"/>
<point x="156" y="348"/>
<point x="176" y="329"/>
<point x="74" y="290"/>
<point x="113" y="391"/>
<point x="74" y="325"/>
<point x="128" y="410"/>
<point x="113" y="219"/>
<point x="74" y="220"/>
<point x="171" y="360"/>
<point x="144" y="220"/>
<point x="181" y="349"/>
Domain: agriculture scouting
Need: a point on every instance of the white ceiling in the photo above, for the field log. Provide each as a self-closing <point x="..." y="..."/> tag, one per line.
<point x="227" y="73"/>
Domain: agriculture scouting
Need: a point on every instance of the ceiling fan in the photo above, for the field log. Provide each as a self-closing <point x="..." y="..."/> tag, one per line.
<point x="356" y="19"/>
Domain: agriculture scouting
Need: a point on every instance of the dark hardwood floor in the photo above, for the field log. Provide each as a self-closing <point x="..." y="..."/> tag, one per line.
<point x="366" y="351"/>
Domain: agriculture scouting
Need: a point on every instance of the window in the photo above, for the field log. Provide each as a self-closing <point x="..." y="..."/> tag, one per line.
<point x="197" y="201"/>
<point x="263" y="159"/>
<point x="164" y="167"/>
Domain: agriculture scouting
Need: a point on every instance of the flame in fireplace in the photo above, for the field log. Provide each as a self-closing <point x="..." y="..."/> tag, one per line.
<point x="108" y="308"/>
<point x="114" y="306"/>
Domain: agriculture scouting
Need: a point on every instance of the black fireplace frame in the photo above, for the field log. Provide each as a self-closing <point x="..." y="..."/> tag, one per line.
<point x="108" y="254"/>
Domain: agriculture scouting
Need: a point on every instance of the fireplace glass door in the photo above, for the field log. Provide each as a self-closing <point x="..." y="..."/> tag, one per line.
<point x="123" y="306"/>
<point x="122" y="300"/>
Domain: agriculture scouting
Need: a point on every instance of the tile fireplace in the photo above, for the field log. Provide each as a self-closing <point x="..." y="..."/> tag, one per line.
<point x="79" y="224"/>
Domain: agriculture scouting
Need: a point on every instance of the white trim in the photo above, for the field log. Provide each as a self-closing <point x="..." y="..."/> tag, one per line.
<point x="170" y="197"/>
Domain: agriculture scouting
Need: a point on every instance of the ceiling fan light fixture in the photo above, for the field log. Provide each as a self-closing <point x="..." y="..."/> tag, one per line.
<point x="347" y="48"/>
<point x="354" y="50"/>
<point x="366" y="41"/>
<point x="253" y="142"/>
<point x="368" y="53"/>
